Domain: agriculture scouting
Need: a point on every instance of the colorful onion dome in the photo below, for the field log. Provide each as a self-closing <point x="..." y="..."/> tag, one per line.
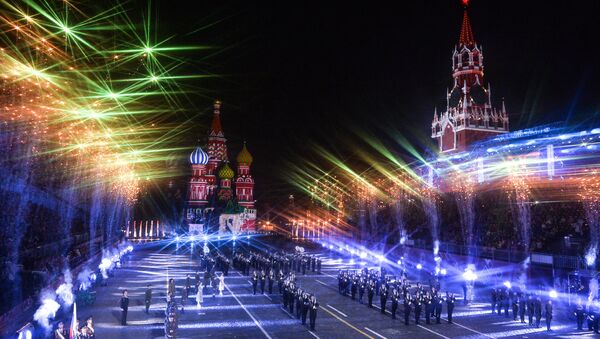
<point x="244" y="157"/>
<point x="226" y="172"/>
<point x="198" y="157"/>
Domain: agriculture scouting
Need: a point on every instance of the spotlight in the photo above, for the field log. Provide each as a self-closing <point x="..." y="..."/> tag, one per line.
<point x="470" y="275"/>
<point x="363" y="255"/>
<point x="205" y="237"/>
<point x="330" y="247"/>
<point x="437" y="270"/>
<point x="507" y="284"/>
<point x="341" y="248"/>
<point x="247" y="237"/>
<point x="234" y="237"/>
<point x="443" y="271"/>
<point x="553" y="294"/>
<point x="177" y="238"/>
<point x="192" y="238"/>
<point x="219" y="238"/>
<point x="590" y="257"/>
<point x="399" y="262"/>
<point x="380" y="257"/>
<point x="351" y="261"/>
<point x="419" y="266"/>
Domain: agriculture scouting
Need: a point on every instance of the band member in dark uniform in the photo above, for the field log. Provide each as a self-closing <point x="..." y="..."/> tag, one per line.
<point x="515" y="308"/>
<point x="494" y="300"/>
<point x="538" y="312"/>
<point x="314" y="306"/>
<point x="548" y="314"/>
<point x="450" y="300"/>
<point x="124" y="307"/>
<point x="370" y="293"/>
<point x="438" y="308"/>
<point x="354" y="287"/>
<point x="361" y="289"/>
<point x="506" y="300"/>
<point x="284" y="295"/>
<point x="185" y="292"/>
<point x="418" y="302"/>
<point x="407" y="308"/>
<point x="292" y="298"/>
<point x="395" y="299"/>
<point x="522" y="308"/>
<point x="299" y="300"/>
<point x="280" y="282"/>
<point x="254" y="282"/>
<point x="383" y="294"/>
<point x="305" y="307"/>
<point x="148" y="297"/>
<point x="263" y="277"/>
<point x="271" y="277"/>
<point x="579" y="315"/>
<point x="428" y="303"/>
<point x="530" y="308"/>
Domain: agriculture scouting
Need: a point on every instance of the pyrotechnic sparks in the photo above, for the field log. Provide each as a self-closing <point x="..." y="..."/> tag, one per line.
<point x="590" y="197"/>
<point x="87" y="94"/>
<point x="519" y="192"/>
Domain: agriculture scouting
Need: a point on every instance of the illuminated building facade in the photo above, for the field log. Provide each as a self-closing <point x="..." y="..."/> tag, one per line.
<point x="211" y="198"/>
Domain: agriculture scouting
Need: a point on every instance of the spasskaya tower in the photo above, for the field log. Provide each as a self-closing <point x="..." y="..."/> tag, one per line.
<point x="469" y="115"/>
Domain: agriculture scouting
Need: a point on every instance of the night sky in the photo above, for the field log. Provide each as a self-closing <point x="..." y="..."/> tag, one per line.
<point x="292" y="74"/>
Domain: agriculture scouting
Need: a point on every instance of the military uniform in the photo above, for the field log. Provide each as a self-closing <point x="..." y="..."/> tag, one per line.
<point x="438" y="309"/>
<point x="305" y="308"/>
<point x="148" y="299"/>
<point x="579" y="315"/>
<point x="383" y="294"/>
<point x="254" y="283"/>
<point x="314" y="306"/>
<point x="370" y="293"/>
<point x="395" y="299"/>
<point x="450" y="300"/>
<point x="418" y="302"/>
<point x="407" y="308"/>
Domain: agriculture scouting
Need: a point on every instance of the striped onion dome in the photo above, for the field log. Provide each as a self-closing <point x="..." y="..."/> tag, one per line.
<point x="226" y="172"/>
<point x="244" y="157"/>
<point x="198" y="157"/>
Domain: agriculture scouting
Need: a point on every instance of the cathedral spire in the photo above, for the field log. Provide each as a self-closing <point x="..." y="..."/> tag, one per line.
<point x="215" y="128"/>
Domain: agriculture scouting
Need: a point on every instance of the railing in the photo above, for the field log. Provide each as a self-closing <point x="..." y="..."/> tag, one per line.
<point x="509" y="255"/>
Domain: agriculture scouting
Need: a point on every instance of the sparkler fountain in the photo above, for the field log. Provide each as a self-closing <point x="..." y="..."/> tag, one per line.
<point x="590" y="197"/>
<point x="519" y="193"/>
<point x="464" y="194"/>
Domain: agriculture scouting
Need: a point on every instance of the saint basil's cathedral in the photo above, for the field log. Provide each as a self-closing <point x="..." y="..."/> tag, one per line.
<point x="219" y="198"/>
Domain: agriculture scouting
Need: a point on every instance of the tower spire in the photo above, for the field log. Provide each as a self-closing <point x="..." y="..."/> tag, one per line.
<point x="466" y="33"/>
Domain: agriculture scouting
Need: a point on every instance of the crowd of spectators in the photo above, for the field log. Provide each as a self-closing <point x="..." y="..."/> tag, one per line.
<point x="552" y="227"/>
